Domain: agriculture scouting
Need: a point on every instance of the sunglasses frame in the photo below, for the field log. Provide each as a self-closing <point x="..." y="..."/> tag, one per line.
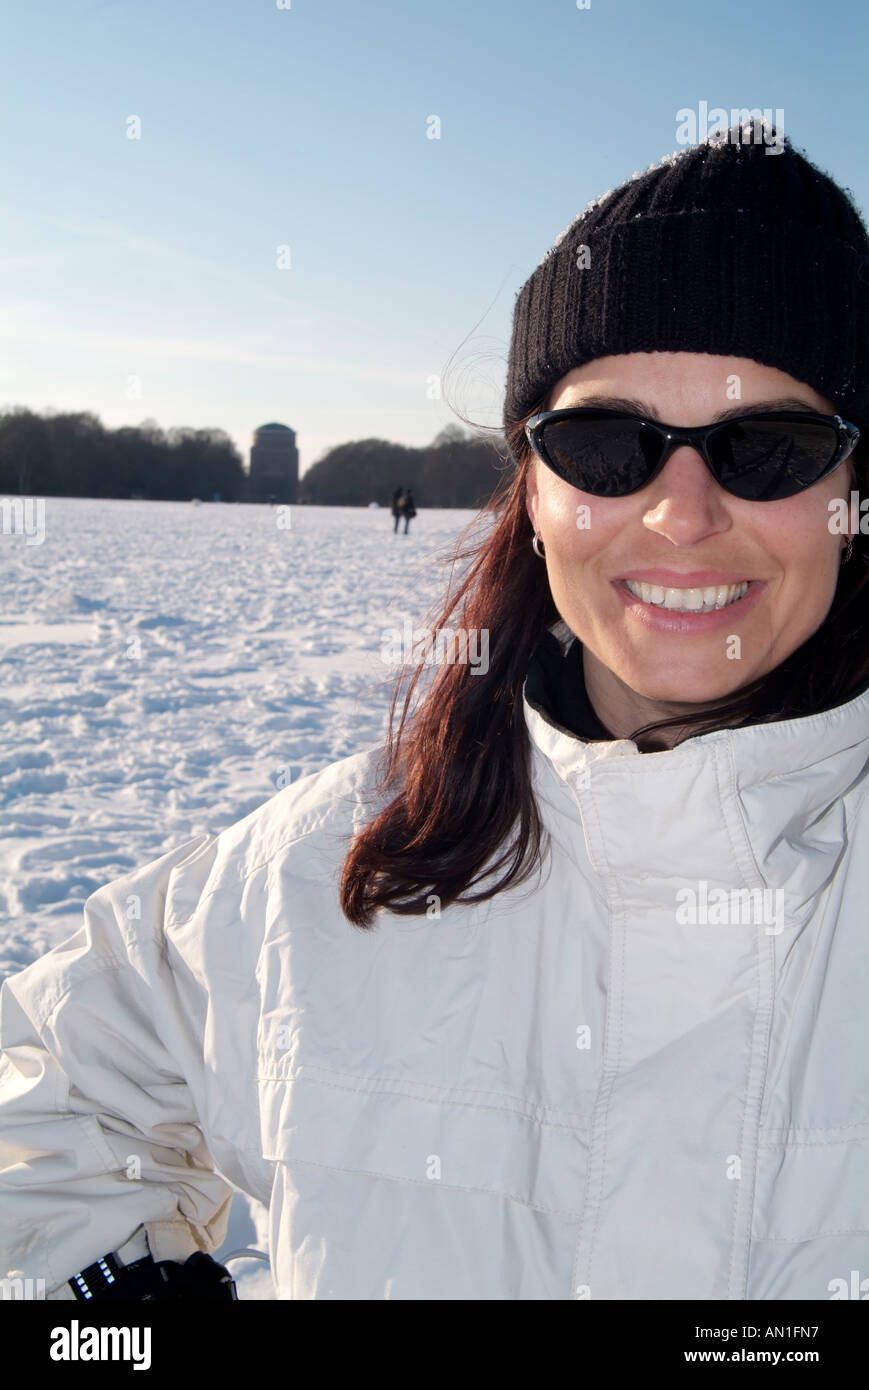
<point x="675" y="437"/>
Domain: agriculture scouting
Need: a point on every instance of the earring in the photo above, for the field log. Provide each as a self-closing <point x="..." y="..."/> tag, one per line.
<point x="847" y="552"/>
<point x="536" y="547"/>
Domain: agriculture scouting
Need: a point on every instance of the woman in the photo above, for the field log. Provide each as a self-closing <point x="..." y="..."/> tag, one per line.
<point x="599" y="1027"/>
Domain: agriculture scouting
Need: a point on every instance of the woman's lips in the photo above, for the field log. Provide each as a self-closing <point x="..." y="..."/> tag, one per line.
<point x="669" y="620"/>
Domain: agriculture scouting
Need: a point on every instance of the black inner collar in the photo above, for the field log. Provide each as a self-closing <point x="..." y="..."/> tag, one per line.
<point x="555" y="687"/>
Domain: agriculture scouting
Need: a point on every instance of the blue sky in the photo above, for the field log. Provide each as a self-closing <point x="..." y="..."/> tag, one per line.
<point x="140" y="277"/>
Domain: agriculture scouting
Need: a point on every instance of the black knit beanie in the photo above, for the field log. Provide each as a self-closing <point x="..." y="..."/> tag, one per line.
<point x="730" y="247"/>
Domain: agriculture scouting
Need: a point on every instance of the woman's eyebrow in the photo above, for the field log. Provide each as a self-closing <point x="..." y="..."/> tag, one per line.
<point x="637" y="407"/>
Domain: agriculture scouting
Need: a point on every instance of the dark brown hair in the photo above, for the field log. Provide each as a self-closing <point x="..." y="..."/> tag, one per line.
<point x="462" y="814"/>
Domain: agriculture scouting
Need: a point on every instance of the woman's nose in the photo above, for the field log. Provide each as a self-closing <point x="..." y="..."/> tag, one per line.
<point x="684" y="502"/>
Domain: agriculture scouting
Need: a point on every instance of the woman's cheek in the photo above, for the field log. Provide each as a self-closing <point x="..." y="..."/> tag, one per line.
<point x="571" y="514"/>
<point x="595" y="521"/>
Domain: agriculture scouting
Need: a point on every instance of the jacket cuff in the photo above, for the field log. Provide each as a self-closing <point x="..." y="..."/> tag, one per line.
<point x="172" y="1240"/>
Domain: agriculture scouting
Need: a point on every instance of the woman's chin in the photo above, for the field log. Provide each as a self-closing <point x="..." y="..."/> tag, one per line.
<point x="683" y="685"/>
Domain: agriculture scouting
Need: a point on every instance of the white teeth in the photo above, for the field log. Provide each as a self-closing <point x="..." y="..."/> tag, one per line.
<point x="689" y="600"/>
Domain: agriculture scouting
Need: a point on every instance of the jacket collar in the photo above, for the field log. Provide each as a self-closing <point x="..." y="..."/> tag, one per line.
<point x="761" y="803"/>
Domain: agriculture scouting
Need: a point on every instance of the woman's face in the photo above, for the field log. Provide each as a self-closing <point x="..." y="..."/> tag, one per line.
<point x="641" y="661"/>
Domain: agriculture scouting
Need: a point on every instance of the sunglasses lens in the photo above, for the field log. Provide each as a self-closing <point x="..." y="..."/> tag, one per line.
<point x="762" y="460"/>
<point x="607" y="457"/>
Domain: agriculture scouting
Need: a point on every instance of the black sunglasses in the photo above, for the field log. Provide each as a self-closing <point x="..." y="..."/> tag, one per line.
<point x="761" y="458"/>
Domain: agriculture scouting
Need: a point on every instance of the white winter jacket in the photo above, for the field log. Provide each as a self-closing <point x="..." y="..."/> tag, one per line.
<point x="642" y="1074"/>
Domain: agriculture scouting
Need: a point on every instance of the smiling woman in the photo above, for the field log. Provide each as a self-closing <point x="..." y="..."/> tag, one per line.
<point x="645" y="1075"/>
<point x="709" y="452"/>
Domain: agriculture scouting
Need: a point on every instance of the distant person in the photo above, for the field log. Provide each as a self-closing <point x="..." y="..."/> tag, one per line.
<point x="397" y="505"/>
<point x="408" y="510"/>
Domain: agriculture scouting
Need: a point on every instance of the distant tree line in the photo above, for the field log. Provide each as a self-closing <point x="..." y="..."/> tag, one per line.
<point x="455" y="470"/>
<point x="75" y="455"/>
<point x="60" y="454"/>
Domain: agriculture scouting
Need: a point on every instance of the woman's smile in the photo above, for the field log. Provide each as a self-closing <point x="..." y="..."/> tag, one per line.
<point x="689" y="591"/>
<point x="694" y="610"/>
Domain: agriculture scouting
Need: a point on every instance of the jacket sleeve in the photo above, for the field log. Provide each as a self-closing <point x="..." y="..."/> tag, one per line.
<point x="100" y="1065"/>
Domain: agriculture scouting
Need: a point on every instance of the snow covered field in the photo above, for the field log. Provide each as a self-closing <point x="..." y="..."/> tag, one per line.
<point x="164" y="667"/>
